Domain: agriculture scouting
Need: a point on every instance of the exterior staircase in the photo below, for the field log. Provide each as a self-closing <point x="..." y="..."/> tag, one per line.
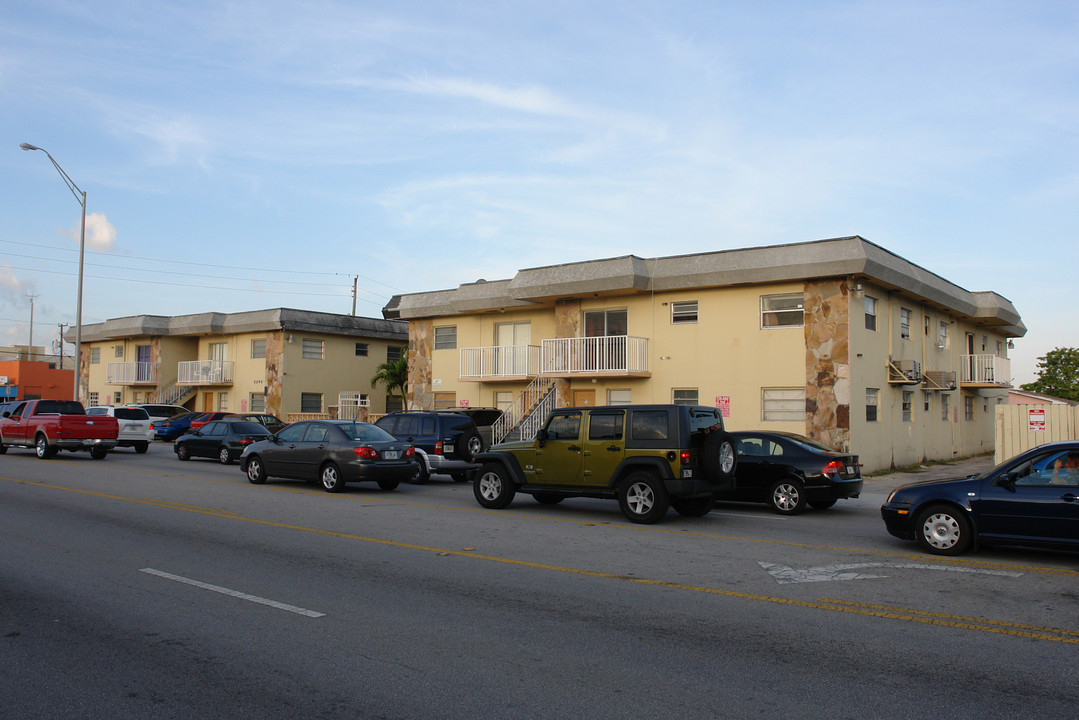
<point x="523" y="419"/>
<point x="173" y="394"/>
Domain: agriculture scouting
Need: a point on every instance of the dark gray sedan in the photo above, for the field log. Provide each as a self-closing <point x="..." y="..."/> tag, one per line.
<point x="332" y="452"/>
<point x="219" y="439"/>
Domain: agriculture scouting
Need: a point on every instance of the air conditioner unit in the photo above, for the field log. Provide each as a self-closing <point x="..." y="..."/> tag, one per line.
<point x="912" y="369"/>
<point x="939" y="380"/>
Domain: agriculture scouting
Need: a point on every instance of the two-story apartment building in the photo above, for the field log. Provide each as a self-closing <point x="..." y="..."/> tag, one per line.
<point x="840" y="340"/>
<point x="278" y="361"/>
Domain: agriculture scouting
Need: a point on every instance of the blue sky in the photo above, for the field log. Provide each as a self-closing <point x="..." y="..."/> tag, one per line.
<point x="256" y="154"/>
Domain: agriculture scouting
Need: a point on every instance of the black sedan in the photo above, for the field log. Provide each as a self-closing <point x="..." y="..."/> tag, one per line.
<point x="1031" y="499"/>
<point x="789" y="471"/>
<point x="219" y="439"/>
<point x="333" y="452"/>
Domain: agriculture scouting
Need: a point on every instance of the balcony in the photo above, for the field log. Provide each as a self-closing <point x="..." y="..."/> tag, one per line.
<point x="204" y="372"/>
<point x="609" y="356"/>
<point x="988" y="371"/>
<point x="131" y="373"/>
<point x="506" y="363"/>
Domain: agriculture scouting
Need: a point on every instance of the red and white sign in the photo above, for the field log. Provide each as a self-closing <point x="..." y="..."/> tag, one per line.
<point x="463" y="403"/>
<point x="723" y="402"/>
<point x="1036" y="419"/>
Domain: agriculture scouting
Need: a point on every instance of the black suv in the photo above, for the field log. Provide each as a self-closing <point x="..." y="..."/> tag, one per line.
<point x="445" y="442"/>
<point x="649" y="457"/>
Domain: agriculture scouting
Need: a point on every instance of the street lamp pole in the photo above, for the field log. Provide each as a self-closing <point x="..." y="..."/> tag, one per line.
<point x="80" y="197"/>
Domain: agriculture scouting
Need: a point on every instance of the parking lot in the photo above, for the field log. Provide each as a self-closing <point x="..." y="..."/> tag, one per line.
<point x="283" y="600"/>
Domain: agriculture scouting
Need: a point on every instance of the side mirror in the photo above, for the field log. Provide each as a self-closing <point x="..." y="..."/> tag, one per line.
<point x="541" y="438"/>
<point x="1006" y="481"/>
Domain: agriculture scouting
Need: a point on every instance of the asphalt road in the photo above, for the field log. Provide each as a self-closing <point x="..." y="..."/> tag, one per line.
<point x="142" y="587"/>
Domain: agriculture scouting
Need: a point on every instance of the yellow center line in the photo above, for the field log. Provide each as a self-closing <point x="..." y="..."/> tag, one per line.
<point x="879" y="611"/>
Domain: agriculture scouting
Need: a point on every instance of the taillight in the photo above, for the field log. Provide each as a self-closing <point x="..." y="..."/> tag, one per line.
<point x="410" y="451"/>
<point x="832" y="467"/>
<point x="365" y="452"/>
<point x="438" y="448"/>
<point x="684" y="456"/>
<point x="246" y="441"/>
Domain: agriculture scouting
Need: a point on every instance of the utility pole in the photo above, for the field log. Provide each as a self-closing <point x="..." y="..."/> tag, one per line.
<point x="61" y="344"/>
<point x="30" y="347"/>
<point x="354" y="279"/>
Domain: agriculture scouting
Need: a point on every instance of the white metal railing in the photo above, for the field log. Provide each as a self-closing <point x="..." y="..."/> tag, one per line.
<point x="500" y="361"/>
<point x="349" y="403"/>
<point x="528" y="411"/>
<point x="589" y="355"/>
<point x="204" y="372"/>
<point x="131" y="373"/>
<point x="985" y="370"/>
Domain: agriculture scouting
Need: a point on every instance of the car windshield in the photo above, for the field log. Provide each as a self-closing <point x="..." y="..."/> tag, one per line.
<point x="365" y="432"/>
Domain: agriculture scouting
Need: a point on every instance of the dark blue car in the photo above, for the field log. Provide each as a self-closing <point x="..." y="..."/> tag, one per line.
<point x="1030" y="500"/>
<point x="175" y="426"/>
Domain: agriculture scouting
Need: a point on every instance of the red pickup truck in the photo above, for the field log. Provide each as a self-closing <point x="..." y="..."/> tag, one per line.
<point x="52" y="425"/>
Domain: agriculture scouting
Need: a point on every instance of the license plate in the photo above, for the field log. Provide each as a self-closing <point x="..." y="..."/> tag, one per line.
<point x="391" y="454"/>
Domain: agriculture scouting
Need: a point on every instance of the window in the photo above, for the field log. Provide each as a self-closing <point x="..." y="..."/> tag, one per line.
<point x="445" y="400"/>
<point x="908" y="405"/>
<point x="311" y="402"/>
<point x="564" y="427"/>
<point x="870" y="313"/>
<point x="779" y="404"/>
<point x="904" y="323"/>
<point x="95" y="356"/>
<point x="968" y="407"/>
<point x="926" y="398"/>
<point x="1000" y="349"/>
<point x="361" y="349"/>
<point x="606" y="323"/>
<point x="222" y="401"/>
<point x="619" y="396"/>
<point x="313" y="349"/>
<point x="256" y="402"/>
<point x="985" y="341"/>
<point x="871" y="396"/>
<point x="117" y="397"/>
<point x="649" y="425"/>
<point x="942" y="335"/>
<point x="119" y="351"/>
<point x="782" y="310"/>
<point x="394" y="353"/>
<point x="605" y="426"/>
<point x="927" y="324"/>
<point x="92" y="398"/>
<point x="446" y="338"/>
<point x="394" y="404"/>
<point x="684" y="396"/>
<point x="684" y="312"/>
<point x="219" y="351"/>
<point x="944" y="410"/>
<point x="258" y="348"/>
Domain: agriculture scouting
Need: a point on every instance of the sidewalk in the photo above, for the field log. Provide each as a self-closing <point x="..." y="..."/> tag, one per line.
<point x="958" y="469"/>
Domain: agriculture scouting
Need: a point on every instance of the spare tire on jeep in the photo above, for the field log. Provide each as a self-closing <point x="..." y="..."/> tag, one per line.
<point x="718" y="456"/>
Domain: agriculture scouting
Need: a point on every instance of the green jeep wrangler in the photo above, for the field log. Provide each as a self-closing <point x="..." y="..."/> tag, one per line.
<point x="650" y="457"/>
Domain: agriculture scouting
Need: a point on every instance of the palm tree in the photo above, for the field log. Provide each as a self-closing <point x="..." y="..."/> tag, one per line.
<point x="394" y="375"/>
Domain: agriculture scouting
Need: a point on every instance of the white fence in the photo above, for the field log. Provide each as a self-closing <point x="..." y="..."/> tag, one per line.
<point x="1022" y="427"/>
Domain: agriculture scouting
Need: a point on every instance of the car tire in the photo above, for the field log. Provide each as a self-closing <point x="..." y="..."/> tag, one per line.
<point x="256" y="473"/>
<point x="389" y="484"/>
<point x="142" y="447"/>
<point x="224" y="456"/>
<point x="944" y="530"/>
<point x="821" y="504"/>
<point x="42" y="449"/>
<point x="330" y="477"/>
<point x="643" y="498"/>
<point x="422" y="473"/>
<point x="548" y="498"/>
<point x="3" y="447"/>
<point x="98" y="453"/>
<point x="493" y="488"/>
<point x="693" y="507"/>
<point x="787" y="496"/>
<point x="468" y="445"/>
<point x="719" y="457"/>
<point x="182" y="452"/>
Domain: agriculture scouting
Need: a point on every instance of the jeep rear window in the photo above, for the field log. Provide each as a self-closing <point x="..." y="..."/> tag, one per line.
<point x="649" y="425"/>
<point x="705" y="420"/>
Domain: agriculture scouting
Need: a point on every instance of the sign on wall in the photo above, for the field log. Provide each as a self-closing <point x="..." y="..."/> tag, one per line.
<point x="723" y="402"/>
<point x="1036" y="419"/>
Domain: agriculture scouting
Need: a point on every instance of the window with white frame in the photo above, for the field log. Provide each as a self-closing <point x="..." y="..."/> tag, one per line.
<point x="313" y="349"/>
<point x="117" y="397"/>
<point x="619" y="396"/>
<point x="787" y="310"/>
<point x="445" y="400"/>
<point x="258" y="348"/>
<point x="908" y="405"/>
<point x="256" y="402"/>
<point x="222" y="401"/>
<point x="928" y="325"/>
<point x="872" y="397"/>
<point x="870" y="313"/>
<point x="95" y="356"/>
<point x="942" y="335"/>
<point x="783" y="404"/>
<point x="945" y="410"/>
<point x="119" y="351"/>
<point x="927" y="398"/>
<point x="362" y="349"/>
<point x="1000" y="349"/>
<point x="683" y="312"/>
<point x="904" y="323"/>
<point x="968" y="407"/>
<point x="684" y="396"/>
<point x="446" y="337"/>
<point x="310" y="402"/>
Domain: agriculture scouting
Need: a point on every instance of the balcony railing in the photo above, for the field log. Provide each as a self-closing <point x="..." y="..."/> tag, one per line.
<point x="204" y="372"/>
<point x="608" y="355"/>
<point x="986" y="370"/>
<point x="131" y="373"/>
<point x="504" y="361"/>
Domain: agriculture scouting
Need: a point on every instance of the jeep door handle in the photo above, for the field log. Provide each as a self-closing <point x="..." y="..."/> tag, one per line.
<point x="613" y="448"/>
<point x="575" y="448"/>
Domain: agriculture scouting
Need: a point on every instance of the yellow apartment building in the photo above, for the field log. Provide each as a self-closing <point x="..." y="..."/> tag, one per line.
<point x="279" y="361"/>
<point x="840" y="340"/>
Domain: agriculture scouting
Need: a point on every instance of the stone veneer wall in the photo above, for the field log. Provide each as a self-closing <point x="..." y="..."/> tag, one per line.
<point x="827" y="338"/>
<point x="275" y="365"/>
<point x="567" y="324"/>
<point x="421" y="344"/>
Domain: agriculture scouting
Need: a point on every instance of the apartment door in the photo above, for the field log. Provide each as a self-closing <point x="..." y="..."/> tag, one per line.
<point x="207" y="401"/>
<point x="584" y="398"/>
<point x="511" y="348"/>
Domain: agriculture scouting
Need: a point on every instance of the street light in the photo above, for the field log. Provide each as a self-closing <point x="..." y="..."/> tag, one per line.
<point x="80" y="197"/>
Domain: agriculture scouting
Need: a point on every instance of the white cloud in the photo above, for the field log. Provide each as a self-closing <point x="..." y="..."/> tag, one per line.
<point x="12" y="289"/>
<point x="100" y="233"/>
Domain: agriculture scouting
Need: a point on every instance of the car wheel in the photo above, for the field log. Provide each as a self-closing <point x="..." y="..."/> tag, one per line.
<point x="256" y="474"/>
<point x="182" y="452"/>
<point x="693" y="507"/>
<point x="330" y="476"/>
<point x="787" y="496"/>
<point x="98" y="453"/>
<point x="422" y="473"/>
<point x="719" y="457"/>
<point x="3" y="447"/>
<point x="224" y="456"/>
<point x="643" y="498"/>
<point x="548" y="498"/>
<point x="493" y="487"/>
<point x="821" y="504"/>
<point x="944" y="530"/>
<point x="388" y="484"/>
<point x="469" y="445"/>
<point x="41" y="447"/>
